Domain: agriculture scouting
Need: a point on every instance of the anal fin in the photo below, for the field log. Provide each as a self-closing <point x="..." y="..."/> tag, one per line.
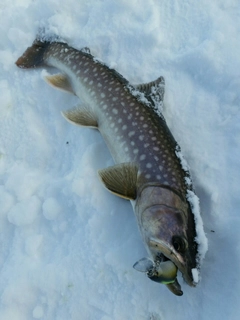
<point x="60" y="81"/>
<point x="81" y="116"/>
<point x="121" y="179"/>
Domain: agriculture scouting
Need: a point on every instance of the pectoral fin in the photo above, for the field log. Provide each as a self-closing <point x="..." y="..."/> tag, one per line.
<point x="81" y="116"/>
<point x="60" y="81"/>
<point x="121" y="179"/>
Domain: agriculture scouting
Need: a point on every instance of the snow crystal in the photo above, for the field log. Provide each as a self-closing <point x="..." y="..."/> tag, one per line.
<point x="195" y="275"/>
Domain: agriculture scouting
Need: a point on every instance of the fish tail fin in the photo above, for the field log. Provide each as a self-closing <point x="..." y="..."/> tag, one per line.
<point x="34" y="55"/>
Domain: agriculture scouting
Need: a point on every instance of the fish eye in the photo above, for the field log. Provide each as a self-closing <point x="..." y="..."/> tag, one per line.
<point x="179" y="243"/>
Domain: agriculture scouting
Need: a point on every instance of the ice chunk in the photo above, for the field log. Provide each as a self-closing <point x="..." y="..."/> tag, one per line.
<point x="201" y="238"/>
<point x="195" y="275"/>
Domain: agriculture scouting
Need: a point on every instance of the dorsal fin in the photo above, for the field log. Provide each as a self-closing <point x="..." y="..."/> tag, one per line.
<point x="86" y="50"/>
<point x="121" y="179"/>
<point x="153" y="91"/>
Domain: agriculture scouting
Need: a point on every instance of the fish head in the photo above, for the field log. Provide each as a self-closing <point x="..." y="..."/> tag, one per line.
<point x="168" y="229"/>
<point x="168" y="239"/>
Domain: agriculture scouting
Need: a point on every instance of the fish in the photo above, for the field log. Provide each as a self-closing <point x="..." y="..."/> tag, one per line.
<point x="148" y="170"/>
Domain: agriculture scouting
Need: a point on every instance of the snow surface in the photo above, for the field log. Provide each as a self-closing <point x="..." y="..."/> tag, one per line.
<point x="67" y="246"/>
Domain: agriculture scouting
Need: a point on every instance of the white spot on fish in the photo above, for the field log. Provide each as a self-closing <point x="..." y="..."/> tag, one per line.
<point x="119" y="120"/>
<point x="141" y="118"/>
<point x="135" y="151"/>
<point x="99" y="84"/>
<point x="154" y="138"/>
<point x="141" y="137"/>
<point x="132" y="143"/>
<point x="149" y="165"/>
<point x="103" y="95"/>
<point x="124" y="127"/>
<point x="158" y="177"/>
<point x="126" y="149"/>
<point x="114" y="99"/>
<point x="112" y="125"/>
<point x="91" y="82"/>
<point x="115" y="111"/>
<point x="156" y="148"/>
<point x="131" y="133"/>
<point x="145" y="125"/>
<point x="146" y="145"/>
<point x="147" y="176"/>
<point x="142" y="157"/>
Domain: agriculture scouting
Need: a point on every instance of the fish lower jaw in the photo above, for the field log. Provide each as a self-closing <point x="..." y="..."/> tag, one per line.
<point x="163" y="252"/>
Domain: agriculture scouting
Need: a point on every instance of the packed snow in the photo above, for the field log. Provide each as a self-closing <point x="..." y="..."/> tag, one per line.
<point x="67" y="246"/>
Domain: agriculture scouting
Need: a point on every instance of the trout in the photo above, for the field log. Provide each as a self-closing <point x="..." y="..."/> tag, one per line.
<point x="147" y="170"/>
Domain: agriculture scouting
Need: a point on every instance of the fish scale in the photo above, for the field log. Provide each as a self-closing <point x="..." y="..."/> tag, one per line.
<point x="143" y="138"/>
<point x="147" y="170"/>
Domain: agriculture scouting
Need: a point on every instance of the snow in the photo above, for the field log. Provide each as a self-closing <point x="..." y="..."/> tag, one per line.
<point x="67" y="245"/>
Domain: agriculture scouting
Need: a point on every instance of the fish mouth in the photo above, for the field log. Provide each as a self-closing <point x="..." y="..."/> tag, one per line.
<point x="164" y="252"/>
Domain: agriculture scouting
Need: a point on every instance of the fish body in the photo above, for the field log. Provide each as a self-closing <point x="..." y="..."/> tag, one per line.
<point x="148" y="171"/>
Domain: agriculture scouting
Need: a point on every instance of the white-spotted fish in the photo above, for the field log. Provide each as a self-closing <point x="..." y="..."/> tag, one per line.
<point x="148" y="171"/>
